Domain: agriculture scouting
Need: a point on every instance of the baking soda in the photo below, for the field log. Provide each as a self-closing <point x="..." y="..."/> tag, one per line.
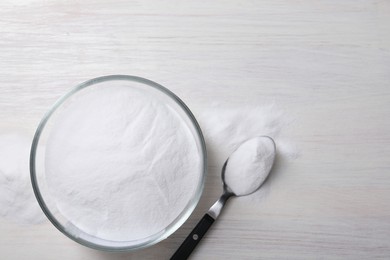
<point x="249" y="165"/>
<point x="225" y="128"/>
<point x="121" y="164"/>
<point x="17" y="200"/>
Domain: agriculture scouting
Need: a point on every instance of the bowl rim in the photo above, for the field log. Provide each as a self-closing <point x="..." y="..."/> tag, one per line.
<point x="177" y="222"/>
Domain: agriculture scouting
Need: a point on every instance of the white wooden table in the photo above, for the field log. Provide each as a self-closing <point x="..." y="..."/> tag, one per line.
<point x="325" y="62"/>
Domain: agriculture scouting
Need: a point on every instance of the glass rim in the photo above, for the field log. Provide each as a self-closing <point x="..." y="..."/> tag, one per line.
<point x="177" y="222"/>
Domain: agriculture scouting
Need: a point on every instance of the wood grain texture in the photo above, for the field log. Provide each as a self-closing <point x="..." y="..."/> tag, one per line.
<point x="327" y="63"/>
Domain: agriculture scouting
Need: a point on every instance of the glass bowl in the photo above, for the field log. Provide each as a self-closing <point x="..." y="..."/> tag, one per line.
<point x="42" y="187"/>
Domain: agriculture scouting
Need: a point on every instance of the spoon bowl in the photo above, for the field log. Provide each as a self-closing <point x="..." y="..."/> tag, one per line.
<point x="213" y="213"/>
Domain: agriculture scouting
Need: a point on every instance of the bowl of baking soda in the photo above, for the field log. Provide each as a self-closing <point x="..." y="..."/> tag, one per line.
<point x="118" y="163"/>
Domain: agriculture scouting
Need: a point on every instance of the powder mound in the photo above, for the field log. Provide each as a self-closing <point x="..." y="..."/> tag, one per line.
<point x="249" y="165"/>
<point x="121" y="164"/>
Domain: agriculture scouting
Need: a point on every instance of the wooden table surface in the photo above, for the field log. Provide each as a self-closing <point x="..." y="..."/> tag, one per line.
<point x="326" y="63"/>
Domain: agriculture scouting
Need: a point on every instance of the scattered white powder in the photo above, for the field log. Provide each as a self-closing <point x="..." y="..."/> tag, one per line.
<point x="17" y="200"/>
<point x="121" y="165"/>
<point x="227" y="127"/>
<point x="224" y="127"/>
<point x="249" y="165"/>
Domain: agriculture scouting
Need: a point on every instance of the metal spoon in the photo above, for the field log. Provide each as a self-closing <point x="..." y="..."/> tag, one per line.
<point x="192" y="240"/>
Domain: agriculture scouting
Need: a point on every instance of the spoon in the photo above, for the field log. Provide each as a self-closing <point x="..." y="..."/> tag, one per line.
<point x="244" y="150"/>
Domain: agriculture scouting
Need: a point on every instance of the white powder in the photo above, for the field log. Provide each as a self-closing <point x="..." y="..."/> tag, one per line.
<point x="17" y="200"/>
<point x="249" y="165"/>
<point x="225" y="128"/>
<point x="121" y="165"/>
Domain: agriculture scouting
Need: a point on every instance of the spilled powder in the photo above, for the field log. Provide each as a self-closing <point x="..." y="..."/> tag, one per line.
<point x="226" y="127"/>
<point x="17" y="200"/>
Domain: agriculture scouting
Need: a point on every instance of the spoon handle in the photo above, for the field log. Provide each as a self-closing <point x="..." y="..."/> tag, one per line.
<point x="192" y="240"/>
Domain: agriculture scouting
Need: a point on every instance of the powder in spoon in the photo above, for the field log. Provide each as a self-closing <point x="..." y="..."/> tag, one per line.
<point x="249" y="165"/>
<point x="121" y="163"/>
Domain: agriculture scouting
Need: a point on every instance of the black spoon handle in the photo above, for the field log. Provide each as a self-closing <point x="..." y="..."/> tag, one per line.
<point x="192" y="240"/>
